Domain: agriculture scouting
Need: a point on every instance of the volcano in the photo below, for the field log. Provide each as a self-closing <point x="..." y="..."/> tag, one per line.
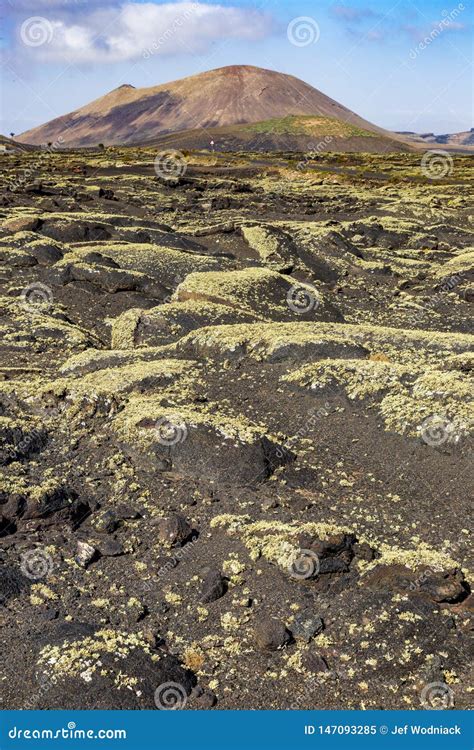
<point x="229" y="96"/>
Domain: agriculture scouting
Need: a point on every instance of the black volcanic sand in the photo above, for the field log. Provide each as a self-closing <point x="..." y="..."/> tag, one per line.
<point x="235" y="414"/>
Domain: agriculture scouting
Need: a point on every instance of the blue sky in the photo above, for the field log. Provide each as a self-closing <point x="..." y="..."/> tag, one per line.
<point x="402" y="65"/>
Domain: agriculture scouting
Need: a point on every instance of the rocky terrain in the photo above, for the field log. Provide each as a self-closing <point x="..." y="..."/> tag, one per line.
<point x="235" y="415"/>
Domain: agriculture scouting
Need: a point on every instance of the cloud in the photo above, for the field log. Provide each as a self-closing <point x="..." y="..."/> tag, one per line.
<point x="445" y="25"/>
<point x="350" y="13"/>
<point x="357" y="22"/>
<point x="366" y="25"/>
<point x="373" y="35"/>
<point x="129" y="31"/>
<point x="455" y="26"/>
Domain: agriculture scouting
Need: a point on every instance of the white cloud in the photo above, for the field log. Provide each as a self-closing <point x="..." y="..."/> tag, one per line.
<point x="131" y="30"/>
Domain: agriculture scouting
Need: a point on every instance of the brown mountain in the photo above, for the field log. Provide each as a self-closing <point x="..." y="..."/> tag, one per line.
<point x="228" y="96"/>
<point x="454" y="141"/>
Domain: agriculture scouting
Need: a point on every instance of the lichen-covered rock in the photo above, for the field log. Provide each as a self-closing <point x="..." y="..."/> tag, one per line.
<point x="170" y="322"/>
<point x="273" y="342"/>
<point x="266" y="293"/>
<point x="108" y="669"/>
<point x="22" y="224"/>
<point x="198" y="442"/>
<point x="272" y="246"/>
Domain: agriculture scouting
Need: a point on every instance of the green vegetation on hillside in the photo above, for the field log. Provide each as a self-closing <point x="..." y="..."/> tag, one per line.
<point x="309" y="125"/>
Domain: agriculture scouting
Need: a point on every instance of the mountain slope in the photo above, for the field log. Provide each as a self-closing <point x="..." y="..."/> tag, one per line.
<point x="8" y="144"/>
<point x="454" y="141"/>
<point x="457" y="139"/>
<point x="299" y="133"/>
<point x="226" y="96"/>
